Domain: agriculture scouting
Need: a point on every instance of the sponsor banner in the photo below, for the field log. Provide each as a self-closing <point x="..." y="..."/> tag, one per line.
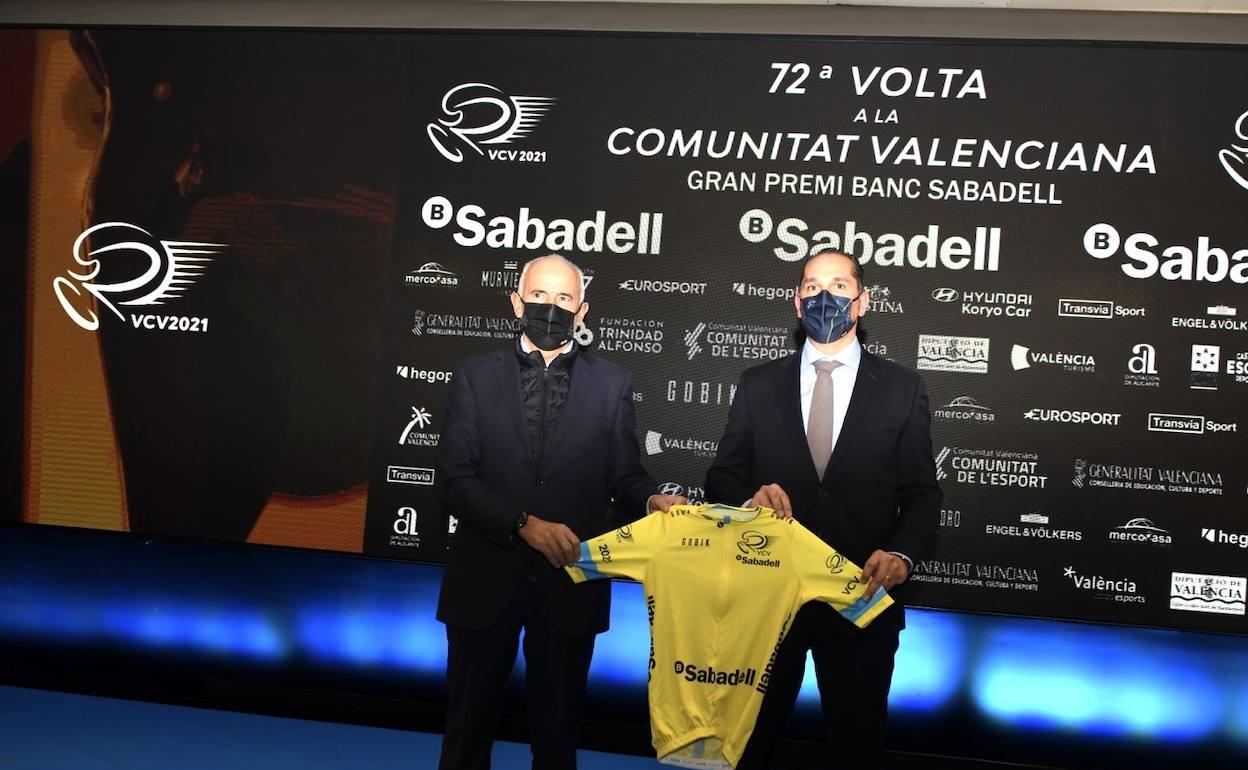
<point x="940" y="353"/>
<point x="990" y="468"/>
<point x="1217" y="594"/>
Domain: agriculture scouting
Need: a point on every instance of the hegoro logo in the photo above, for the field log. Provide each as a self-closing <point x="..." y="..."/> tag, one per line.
<point x="1232" y="159"/>
<point x="172" y="267"/>
<point x="1073" y="416"/>
<point x="767" y="292"/>
<point x="929" y="250"/>
<point x="523" y="231"/>
<point x="431" y="274"/>
<point x="478" y="113"/>
<point x="1176" y="263"/>
<point x="941" y="353"/>
<point x="1121" y="590"/>
<point x="1140" y="530"/>
<point x="977" y="575"/>
<point x="1218" y="594"/>
<point x="1142" y="367"/>
<point x="424" y="375"/>
<point x="987" y="304"/>
<point x="405" y="534"/>
<point x="1222" y="537"/>
<point x="966" y="409"/>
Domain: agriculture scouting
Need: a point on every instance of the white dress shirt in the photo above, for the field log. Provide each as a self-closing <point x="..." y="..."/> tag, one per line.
<point x="843" y="379"/>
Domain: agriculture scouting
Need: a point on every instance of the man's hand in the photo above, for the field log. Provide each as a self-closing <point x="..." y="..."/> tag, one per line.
<point x="884" y="570"/>
<point x="556" y="542"/>
<point x="773" y="497"/>
<point x="664" y="502"/>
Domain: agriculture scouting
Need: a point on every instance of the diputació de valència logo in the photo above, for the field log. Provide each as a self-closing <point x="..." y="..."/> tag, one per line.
<point x="164" y="270"/>
<point x="475" y="114"/>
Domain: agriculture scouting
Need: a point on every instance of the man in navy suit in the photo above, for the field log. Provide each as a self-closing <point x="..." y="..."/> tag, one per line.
<point x="841" y="440"/>
<point x="539" y="439"/>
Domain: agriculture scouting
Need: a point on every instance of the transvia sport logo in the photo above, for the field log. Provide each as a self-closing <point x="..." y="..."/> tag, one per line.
<point x="476" y="114"/>
<point x="165" y="269"/>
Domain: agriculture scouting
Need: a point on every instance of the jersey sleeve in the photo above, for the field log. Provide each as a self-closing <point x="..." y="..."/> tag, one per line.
<point x="829" y="577"/>
<point x="623" y="552"/>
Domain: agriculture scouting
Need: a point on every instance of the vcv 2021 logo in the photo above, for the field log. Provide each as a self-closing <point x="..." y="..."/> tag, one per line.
<point x="475" y="114"/>
<point x="171" y="268"/>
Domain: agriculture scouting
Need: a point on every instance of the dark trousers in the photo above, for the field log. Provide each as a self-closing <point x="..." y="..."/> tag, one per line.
<point x="478" y="663"/>
<point x="854" y="670"/>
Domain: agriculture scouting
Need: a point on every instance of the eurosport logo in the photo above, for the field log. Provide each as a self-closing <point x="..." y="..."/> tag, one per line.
<point x="1022" y="357"/>
<point x="990" y="467"/>
<point x="657" y="443"/>
<point x="1140" y="530"/>
<point x="1217" y="594"/>
<point x="987" y="304"/>
<point x="941" y="353"/>
<point x="1203" y="263"/>
<point x="1073" y="416"/>
<point x="965" y="409"/>
<point x="476" y="227"/>
<point x="475" y="114"/>
<point x="422" y="375"/>
<point x="1188" y="423"/>
<point x="431" y="274"/>
<point x="1100" y="309"/>
<point x="979" y="250"/>
<point x="171" y="268"/>
<point x="650" y="286"/>
<point x="403" y="474"/>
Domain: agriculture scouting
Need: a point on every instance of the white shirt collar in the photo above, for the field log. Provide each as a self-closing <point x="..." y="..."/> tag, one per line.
<point x="528" y="347"/>
<point x="849" y="356"/>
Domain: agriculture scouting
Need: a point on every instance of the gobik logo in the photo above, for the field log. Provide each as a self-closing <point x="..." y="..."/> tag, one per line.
<point x="475" y="114"/>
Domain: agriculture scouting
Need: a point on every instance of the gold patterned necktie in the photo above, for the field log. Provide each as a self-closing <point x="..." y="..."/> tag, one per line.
<point x="820" y="424"/>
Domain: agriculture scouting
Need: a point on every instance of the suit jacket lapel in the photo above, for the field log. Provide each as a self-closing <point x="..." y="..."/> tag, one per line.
<point x="579" y="392"/>
<point x="513" y="405"/>
<point x="789" y="400"/>
<point x="860" y="403"/>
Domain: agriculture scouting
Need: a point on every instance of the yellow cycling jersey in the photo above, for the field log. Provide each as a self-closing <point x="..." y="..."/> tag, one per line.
<point x="722" y="585"/>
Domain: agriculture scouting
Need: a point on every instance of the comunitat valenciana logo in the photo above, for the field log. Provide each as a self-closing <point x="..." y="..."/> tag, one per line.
<point x="153" y="271"/>
<point x="476" y="114"/>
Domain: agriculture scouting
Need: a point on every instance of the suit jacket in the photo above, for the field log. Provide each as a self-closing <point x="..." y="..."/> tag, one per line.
<point x="487" y="475"/>
<point x="879" y="490"/>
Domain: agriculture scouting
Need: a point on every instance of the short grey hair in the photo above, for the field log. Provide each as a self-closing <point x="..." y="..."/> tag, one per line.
<point x="524" y="272"/>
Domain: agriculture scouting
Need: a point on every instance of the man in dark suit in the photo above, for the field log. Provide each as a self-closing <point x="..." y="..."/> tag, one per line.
<point x="841" y="440"/>
<point x="539" y="439"/>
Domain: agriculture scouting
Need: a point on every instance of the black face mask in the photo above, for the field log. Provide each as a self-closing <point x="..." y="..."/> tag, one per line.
<point x="547" y="325"/>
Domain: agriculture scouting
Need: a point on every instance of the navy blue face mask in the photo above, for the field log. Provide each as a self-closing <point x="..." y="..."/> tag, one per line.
<point x="825" y="316"/>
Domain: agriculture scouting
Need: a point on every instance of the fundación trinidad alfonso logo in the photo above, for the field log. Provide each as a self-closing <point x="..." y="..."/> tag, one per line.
<point x="476" y="114"/>
<point x="163" y="271"/>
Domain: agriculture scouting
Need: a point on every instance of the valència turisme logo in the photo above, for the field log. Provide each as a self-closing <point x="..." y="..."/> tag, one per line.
<point x="165" y="269"/>
<point x="476" y="114"/>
